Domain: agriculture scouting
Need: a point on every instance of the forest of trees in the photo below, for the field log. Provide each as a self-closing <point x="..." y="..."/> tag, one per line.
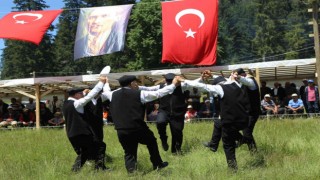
<point x="249" y="31"/>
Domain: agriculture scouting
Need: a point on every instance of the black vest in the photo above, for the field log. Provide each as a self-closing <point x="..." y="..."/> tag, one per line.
<point x="94" y="114"/>
<point x="76" y="123"/>
<point x="127" y="110"/>
<point x="175" y="103"/>
<point x="254" y="98"/>
<point x="235" y="104"/>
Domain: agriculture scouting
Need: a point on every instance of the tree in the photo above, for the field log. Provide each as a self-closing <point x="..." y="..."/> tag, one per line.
<point x="145" y="35"/>
<point x="296" y="34"/>
<point x="64" y="40"/>
<point x="270" y="25"/>
<point x="22" y="58"/>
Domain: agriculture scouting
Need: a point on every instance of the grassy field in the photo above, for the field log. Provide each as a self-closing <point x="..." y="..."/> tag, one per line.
<point x="288" y="149"/>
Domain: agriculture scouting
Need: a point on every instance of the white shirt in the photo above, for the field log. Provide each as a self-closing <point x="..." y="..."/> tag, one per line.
<point x="145" y="95"/>
<point x="80" y="103"/>
<point x="248" y="82"/>
<point x="214" y="89"/>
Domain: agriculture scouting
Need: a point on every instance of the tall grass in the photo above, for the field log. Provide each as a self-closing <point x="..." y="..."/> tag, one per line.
<point x="288" y="149"/>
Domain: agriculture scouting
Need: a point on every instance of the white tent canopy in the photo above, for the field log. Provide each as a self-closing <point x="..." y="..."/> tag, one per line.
<point x="39" y="87"/>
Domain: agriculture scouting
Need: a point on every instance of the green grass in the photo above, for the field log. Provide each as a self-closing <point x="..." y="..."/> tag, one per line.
<point x="288" y="149"/>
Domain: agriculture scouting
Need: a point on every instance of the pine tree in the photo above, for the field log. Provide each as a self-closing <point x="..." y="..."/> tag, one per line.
<point x="22" y="58"/>
<point x="296" y="34"/>
<point x="270" y="25"/>
<point x="65" y="38"/>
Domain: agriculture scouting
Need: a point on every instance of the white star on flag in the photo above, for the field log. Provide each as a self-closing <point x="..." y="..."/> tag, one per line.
<point x="190" y="33"/>
<point x="20" y="22"/>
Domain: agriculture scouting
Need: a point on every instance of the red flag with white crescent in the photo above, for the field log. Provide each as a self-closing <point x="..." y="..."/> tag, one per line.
<point x="27" y="25"/>
<point x="190" y="32"/>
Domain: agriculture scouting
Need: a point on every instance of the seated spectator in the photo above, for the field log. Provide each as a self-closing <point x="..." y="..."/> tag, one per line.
<point x="27" y="118"/>
<point x="10" y="118"/>
<point x="3" y="109"/>
<point x="105" y="115"/>
<point x="57" y="120"/>
<point x="269" y="107"/>
<point x="190" y="114"/>
<point x="45" y="114"/>
<point x="152" y="116"/>
<point x="31" y="105"/>
<point x="295" y="105"/>
<point x="206" y="110"/>
<point x="16" y="105"/>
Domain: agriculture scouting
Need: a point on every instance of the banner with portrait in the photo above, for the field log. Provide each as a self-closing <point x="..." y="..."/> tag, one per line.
<point x="101" y="30"/>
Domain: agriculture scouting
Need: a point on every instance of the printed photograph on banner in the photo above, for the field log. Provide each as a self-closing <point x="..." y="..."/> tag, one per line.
<point x="101" y="30"/>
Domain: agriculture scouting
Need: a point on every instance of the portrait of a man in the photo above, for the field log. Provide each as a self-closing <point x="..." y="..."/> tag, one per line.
<point x="101" y="30"/>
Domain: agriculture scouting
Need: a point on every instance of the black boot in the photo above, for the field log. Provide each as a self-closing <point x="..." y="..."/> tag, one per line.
<point x="165" y="144"/>
<point x="211" y="146"/>
<point x="160" y="166"/>
<point x="77" y="164"/>
<point x="232" y="165"/>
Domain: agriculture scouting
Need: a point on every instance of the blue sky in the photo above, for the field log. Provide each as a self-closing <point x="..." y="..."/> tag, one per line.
<point x="6" y="7"/>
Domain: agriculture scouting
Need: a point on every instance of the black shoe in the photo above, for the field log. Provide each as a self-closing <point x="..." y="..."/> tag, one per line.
<point x="161" y="166"/>
<point x="210" y="146"/>
<point x="165" y="145"/>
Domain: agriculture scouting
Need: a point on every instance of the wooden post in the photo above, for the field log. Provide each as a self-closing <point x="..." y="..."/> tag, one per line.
<point x="315" y="9"/>
<point x="38" y="98"/>
<point x="257" y="76"/>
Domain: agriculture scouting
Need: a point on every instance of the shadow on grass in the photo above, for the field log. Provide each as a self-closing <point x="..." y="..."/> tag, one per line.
<point x="108" y="158"/>
<point x="259" y="159"/>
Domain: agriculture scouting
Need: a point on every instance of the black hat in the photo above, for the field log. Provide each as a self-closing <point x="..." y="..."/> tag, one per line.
<point x="169" y="76"/>
<point x="240" y="71"/>
<point x="218" y="80"/>
<point x="126" y="80"/>
<point x="75" y="90"/>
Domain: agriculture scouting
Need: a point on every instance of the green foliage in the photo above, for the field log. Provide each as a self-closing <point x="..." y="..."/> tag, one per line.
<point x="256" y="30"/>
<point x="287" y="149"/>
<point x="22" y="58"/>
<point x="145" y="35"/>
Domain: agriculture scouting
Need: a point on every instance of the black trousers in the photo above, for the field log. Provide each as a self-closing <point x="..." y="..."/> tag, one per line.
<point x="129" y="140"/>
<point x="216" y="134"/>
<point x="230" y="134"/>
<point x="86" y="149"/>
<point x="248" y="133"/>
<point x="101" y="153"/>
<point x="176" y="127"/>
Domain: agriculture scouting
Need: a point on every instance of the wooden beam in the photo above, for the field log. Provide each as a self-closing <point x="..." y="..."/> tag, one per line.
<point x="257" y="76"/>
<point x="142" y="80"/>
<point x="26" y="94"/>
<point x="162" y="80"/>
<point x="48" y="92"/>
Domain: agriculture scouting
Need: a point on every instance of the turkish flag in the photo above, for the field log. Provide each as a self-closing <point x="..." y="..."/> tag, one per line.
<point x="27" y="25"/>
<point x="190" y="32"/>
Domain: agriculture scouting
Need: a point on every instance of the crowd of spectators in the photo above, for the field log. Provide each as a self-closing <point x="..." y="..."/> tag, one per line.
<point x="274" y="101"/>
<point x="277" y="100"/>
<point x="18" y="114"/>
<point x="289" y="100"/>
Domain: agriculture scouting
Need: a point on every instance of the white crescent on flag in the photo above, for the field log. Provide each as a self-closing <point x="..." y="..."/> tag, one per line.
<point x="190" y="11"/>
<point x="39" y="16"/>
